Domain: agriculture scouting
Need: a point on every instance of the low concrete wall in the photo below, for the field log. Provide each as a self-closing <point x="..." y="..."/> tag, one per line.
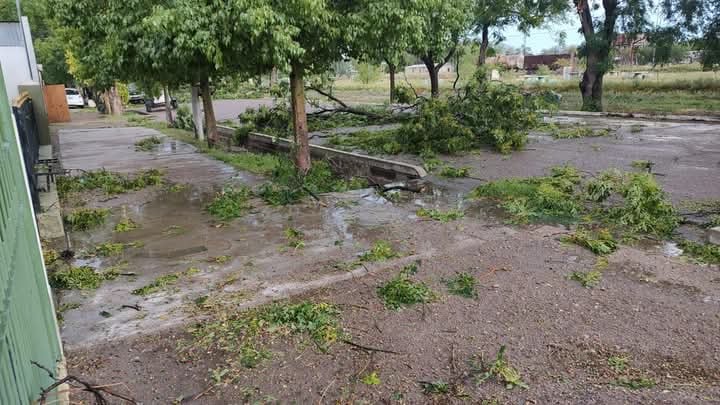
<point x="351" y="164"/>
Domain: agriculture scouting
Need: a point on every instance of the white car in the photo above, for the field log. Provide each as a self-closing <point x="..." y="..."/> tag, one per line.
<point x="74" y="98"/>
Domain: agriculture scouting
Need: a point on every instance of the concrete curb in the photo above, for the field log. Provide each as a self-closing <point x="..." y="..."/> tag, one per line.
<point x="49" y="218"/>
<point x="351" y="163"/>
<point x="640" y="116"/>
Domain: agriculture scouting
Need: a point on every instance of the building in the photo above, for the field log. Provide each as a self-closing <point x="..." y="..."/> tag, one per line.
<point x="532" y="62"/>
<point x="421" y="69"/>
<point x="626" y="47"/>
<point x="17" y="56"/>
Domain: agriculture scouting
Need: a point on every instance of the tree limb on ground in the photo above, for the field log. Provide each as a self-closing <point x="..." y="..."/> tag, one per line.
<point x="97" y="391"/>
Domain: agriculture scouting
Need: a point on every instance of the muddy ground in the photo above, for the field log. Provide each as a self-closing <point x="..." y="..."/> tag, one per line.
<point x="662" y="314"/>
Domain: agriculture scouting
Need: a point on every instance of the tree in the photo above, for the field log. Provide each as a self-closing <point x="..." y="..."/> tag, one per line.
<point x="442" y="24"/>
<point x="497" y="14"/>
<point x="386" y="28"/>
<point x="700" y="21"/>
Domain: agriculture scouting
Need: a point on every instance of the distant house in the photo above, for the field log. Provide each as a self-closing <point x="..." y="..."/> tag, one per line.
<point x="531" y="62"/>
<point x="626" y="47"/>
<point x="511" y="61"/>
<point x="421" y="69"/>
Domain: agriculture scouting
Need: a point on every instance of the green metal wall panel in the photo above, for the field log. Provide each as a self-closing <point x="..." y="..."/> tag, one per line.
<point x="28" y="329"/>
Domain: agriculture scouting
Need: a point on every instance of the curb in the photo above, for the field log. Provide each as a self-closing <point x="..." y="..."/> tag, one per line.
<point x="640" y="116"/>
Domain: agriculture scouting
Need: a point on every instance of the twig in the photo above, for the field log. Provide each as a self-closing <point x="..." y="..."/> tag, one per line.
<point x="367" y="348"/>
<point x="95" y="390"/>
<point x="324" y="392"/>
<point x="135" y="307"/>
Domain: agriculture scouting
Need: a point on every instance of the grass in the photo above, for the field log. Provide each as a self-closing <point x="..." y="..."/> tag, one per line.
<point x="147" y="144"/>
<point x="380" y="251"/>
<point x="454" y="172"/>
<point x="463" y="284"/>
<point x="571" y="131"/>
<point x="600" y="241"/>
<point x="438" y="215"/>
<point x="401" y="291"/>
<point x="230" y="203"/>
<point x="164" y="281"/>
<point x="258" y="163"/>
<point x="371" y="379"/>
<point x="126" y="225"/>
<point x="83" y="219"/>
<point x="618" y="363"/>
<point x="79" y="278"/>
<point x="702" y="253"/>
<point x="295" y="238"/>
<point x="502" y="371"/>
<point x="435" y="387"/>
<point x="109" y="249"/>
<point x="111" y="183"/>
<point x="588" y="279"/>
<point x="635" y="383"/>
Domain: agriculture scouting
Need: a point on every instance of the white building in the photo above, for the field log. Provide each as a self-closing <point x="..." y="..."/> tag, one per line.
<point x="421" y="69"/>
<point x="17" y="56"/>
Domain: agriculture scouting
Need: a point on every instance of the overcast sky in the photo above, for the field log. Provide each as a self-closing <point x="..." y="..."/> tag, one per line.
<point x="546" y="37"/>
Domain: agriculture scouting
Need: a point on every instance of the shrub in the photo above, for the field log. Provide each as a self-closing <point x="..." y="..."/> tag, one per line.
<point x="184" y="119"/>
<point x="436" y="129"/>
<point x="230" y="203"/>
<point x="84" y="219"/>
<point x="404" y="95"/>
<point x="645" y="208"/>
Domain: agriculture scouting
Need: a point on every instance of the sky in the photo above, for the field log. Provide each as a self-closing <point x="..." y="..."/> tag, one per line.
<point x="545" y="37"/>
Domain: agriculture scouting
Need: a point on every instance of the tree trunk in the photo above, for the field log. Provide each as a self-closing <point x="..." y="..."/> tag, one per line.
<point x="484" y="45"/>
<point x="273" y="77"/>
<point x="107" y="107"/>
<point x="168" y="107"/>
<point x="302" y="143"/>
<point x="197" y="112"/>
<point x="210" y="122"/>
<point x="115" y="106"/>
<point x="591" y="88"/>
<point x="433" y="71"/>
<point x="391" y="69"/>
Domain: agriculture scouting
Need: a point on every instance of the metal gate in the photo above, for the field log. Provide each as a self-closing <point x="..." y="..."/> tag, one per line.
<point x="28" y="329"/>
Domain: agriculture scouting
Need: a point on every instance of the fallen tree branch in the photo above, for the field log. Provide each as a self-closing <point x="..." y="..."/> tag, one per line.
<point x="328" y="95"/>
<point x="97" y="391"/>
<point x="367" y="348"/>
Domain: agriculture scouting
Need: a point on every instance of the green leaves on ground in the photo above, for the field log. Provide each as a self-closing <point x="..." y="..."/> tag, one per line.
<point x="501" y="370"/>
<point x="147" y="144"/>
<point x="401" y="291"/>
<point x="598" y="241"/>
<point x="164" y="281"/>
<point x="230" y="203"/>
<point x="109" y="182"/>
<point x="439" y="215"/>
<point x="295" y="237"/>
<point x="83" y="219"/>
<point x="454" y="172"/>
<point x="126" y="225"/>
<point x="380" y="251"/>
<point x="462" y="284"/>
<point x="587" y="279"/>
<point x="79" y="278"/>
<point x="703" y="253"/>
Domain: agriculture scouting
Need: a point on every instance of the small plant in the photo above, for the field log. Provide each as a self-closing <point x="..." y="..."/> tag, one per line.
<point x="295" y="238"/>
<point x="462" y="284"/>
<point x="618" y="363"/>
<point x="109" y="182"/>
<point x="147" y="144"/>
<point x="126" y="225"/>
<point x="317" y="320"/>
<point x="600" y="242"/>
<point x="438" y="215"/>
<point x="109" y="249"/>
<point x="251" y="357"/>
<point x="400" y="291"/>
<point x="587" y="279"/>
<point x="702" y="253"/>
<point x="501" y="370"/>
<point x="380" y="251"/>
<point x="84" y="219"/>
<point x="163" y="281"/>
<point x="78" y="278"/>
<point x="230" y="203"/>
<point x="635" y="383"/>
<point x="50" y="256"/>
<point x="371" y="379"/>
<point x="454" y="172"/>
<point x="435" y="387"/>
<point x="176" y="188"/>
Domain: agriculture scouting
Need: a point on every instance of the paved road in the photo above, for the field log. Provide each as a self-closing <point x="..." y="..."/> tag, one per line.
<point x="224" y="109"/>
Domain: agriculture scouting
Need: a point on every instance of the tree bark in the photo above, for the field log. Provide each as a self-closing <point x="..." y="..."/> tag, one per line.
<point x="591" y="88"/>
<point x="210" y="122"/>
<point x="115" y="106"/>
<point x="302" y="143"/>
<point x="484" y="45"/>
<point x="197" y="112"/>
<point x="391" y="70"/>
<point x="168" y="107"/>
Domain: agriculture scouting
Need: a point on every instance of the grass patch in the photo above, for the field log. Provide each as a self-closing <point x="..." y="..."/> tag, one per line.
<point x="588" y="279"/>
<point x="600" y="241"/>
<point x="463" y="284"/>
<point x="258" y="163"/>
<point x="438" y="215"/>
<point x="147" y="144"/>
<point x="371" y="379"/>
<point x="702" y="253"/>
<point x="109" y="182"/>
<point x="164" y="281"/>
<point x="635" y="383"/>
<point x="401" y="291"/>
<point x="126" y="225"/>
<point x="571" y="131"/>
<point x="295" y="238"/>
<point x="108" y="249"/>
<point x="502" y="371"/>
<point x="454" y="172"/>
<point x="435" y="387"/>
<point x="380" y="251"/>
<point x="79" y="278"/>
<point x="618" y="363"/>
<point x="230" y="203"/>
<point x="83" y="219"/>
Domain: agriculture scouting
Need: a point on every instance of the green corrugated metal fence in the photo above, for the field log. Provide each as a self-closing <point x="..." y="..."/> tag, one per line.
<point x="28" y="330"/>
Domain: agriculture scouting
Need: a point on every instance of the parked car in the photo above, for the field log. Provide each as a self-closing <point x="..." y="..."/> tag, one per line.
<point x="151" y="103"/>
<point x="136" y="97"/>
<point x="74" y="98"/>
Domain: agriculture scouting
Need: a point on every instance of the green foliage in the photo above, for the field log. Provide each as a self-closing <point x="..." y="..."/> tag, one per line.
<point x="259" y="163"/>
<point x="230" y="203"/>
<point x="78" y="278"/>
<point x="635" y="383"/>
<point x="367" y="73"/>
<point x="109" y="249"/>
<point x="289" y="185"/>
<point x="164" y="281"/>
<point x="147" y="144"/>
<point x="404" y="95"/>
<point x="270" y="120"/>
<point x="295" y="237"/>
<point x="109" y="182"/>
<point x="184" y="118"/>
<point x="435" y="387"/>
<point x="83" y="219"/>
<point x="454" y="172"/>
<point x="645" y="208"/>
<point x="462" y="284"/>
<point x="501" y="370"/>
<point x="438" y="215"/>
<point x="598" y="241"/>
<point x="618" y="363"/>
<point x="703" y="253"/>
<point x="319" y="320"/>
<point x="587" y="279"/>
<point x="401" y="291"/>
<point x="371" y="379"/>
<point x="373" y="142"/>
<point x="126" y="225"/>
<point x="571" y="131"/>
<point x="379" y="252"/>
<point x="436" y="129"/>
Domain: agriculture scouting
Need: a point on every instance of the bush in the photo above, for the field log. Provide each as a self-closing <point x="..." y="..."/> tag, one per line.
<point x="436" y="129"/>
<point x="184" y="119"/>
<point x="404" y="95"/>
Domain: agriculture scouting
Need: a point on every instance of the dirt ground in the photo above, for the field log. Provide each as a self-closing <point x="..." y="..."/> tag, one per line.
<point x="661" y="314"/>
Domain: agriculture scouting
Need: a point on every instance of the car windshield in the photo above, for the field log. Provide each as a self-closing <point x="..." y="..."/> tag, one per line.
<point x="71" y="92"/>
